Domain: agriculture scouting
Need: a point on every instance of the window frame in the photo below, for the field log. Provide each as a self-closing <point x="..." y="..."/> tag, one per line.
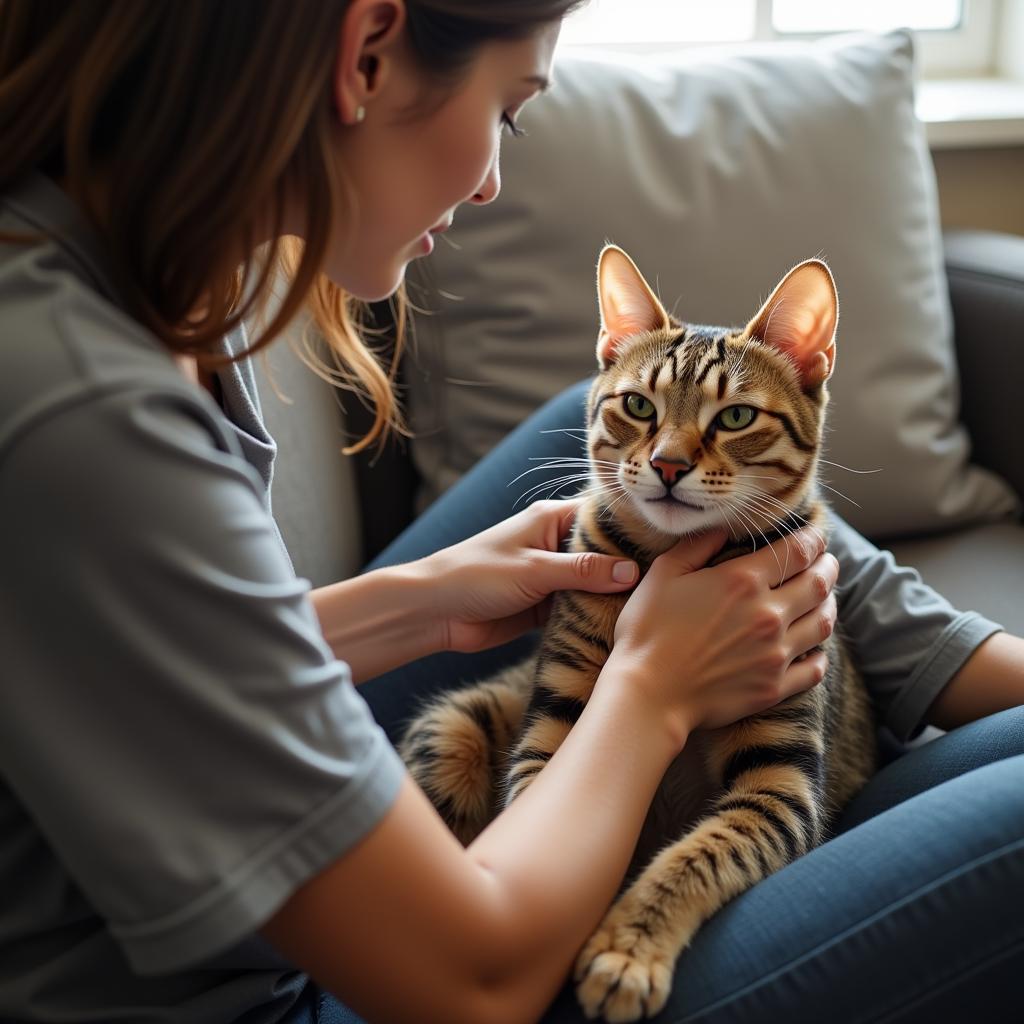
<point x="969" y="49"/>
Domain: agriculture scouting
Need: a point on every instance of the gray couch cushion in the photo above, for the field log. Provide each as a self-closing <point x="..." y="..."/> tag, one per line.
<point x="314" y="495"/>
<point x="717" y="173"/>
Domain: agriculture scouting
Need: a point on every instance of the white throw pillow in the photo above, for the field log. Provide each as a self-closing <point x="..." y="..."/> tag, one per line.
<point x="717" y="173"/>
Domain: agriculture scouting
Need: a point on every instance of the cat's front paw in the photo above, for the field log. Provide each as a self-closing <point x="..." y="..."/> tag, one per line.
<point x="621" y="974"/>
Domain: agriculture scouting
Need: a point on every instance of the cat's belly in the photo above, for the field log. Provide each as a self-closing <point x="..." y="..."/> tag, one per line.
<point x="681" y="798"/>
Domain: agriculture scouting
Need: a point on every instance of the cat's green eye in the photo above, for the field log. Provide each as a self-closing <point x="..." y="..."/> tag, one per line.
<point x="640" y="407"/>
<point x="736" y="417"/>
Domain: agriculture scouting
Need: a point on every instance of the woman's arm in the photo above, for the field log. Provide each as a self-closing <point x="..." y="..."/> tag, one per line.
<point x="380" y="620"/>
<point x="473" y="595"/>
<point x="411" y="926"/>
<point x="991" y="680"/>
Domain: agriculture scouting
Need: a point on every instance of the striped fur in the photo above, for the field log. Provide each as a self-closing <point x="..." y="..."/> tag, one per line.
<point x="740" y="802"/>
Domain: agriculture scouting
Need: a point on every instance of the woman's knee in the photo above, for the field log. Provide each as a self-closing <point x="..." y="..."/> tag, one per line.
<point x="955" y="753"/>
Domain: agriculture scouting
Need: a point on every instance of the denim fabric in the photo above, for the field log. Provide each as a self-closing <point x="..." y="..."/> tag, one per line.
<point x="910" y="913"/>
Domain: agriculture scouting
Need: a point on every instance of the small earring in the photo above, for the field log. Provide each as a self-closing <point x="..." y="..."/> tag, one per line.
<point x="360" y="114"/>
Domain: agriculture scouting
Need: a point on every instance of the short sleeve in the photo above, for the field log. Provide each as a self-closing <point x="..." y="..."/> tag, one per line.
<point x="908" y="640"/>
<point x="173" y="719"/>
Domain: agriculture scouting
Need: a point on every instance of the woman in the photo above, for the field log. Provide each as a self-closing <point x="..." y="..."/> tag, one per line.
<point x="195" y="801"/>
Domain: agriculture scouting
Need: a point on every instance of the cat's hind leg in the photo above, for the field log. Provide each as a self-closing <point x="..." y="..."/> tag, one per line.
<point x="457" y="747"/>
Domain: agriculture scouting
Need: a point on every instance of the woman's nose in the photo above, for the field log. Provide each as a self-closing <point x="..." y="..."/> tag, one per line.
<point x="490" y="187"/>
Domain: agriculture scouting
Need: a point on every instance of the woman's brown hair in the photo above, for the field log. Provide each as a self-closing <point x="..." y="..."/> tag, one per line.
<point x="202" y="115"/>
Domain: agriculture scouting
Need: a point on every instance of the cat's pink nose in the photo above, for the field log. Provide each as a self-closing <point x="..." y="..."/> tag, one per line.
<point x="670" y="470"/>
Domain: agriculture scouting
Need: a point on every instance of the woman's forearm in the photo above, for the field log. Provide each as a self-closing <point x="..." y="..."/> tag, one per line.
<point x="559" y="852"/>
<point x="485" y="934"/>
<point x="380" y="620"/>
<point x="991" y="680"/>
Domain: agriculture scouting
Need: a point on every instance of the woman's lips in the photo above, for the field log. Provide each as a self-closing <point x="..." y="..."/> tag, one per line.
<point x="427" y="240"/>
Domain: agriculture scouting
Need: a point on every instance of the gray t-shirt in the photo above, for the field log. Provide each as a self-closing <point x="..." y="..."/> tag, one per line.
<point x="179" y="748"/>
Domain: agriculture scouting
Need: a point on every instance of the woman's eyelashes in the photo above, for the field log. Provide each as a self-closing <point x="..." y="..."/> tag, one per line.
<point x="510" y="126"/>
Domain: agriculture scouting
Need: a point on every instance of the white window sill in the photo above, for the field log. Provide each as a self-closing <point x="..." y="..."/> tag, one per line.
<point x="971" y="112"/>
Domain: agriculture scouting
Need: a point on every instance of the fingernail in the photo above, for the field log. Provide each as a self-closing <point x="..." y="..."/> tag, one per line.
<point x="624" y="572"/>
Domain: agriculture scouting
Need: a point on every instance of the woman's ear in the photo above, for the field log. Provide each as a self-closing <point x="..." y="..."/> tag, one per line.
<point x="370" y="33"/>
<point x="627" y="304"/>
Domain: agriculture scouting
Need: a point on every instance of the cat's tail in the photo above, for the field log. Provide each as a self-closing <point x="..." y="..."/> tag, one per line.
<point x="457" y="748"/>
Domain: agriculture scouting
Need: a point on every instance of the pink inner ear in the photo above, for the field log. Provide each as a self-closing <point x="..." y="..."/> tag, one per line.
<point x="628" y="306"/>
<point x="800" y="320"/>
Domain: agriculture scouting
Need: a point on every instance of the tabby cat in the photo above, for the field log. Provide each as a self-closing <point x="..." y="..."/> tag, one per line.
<point x="688" y="427"/>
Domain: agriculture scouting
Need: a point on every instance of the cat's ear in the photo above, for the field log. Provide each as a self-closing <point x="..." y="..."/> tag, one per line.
<point x="627" y="304"/>
<point x="800" y="319"/>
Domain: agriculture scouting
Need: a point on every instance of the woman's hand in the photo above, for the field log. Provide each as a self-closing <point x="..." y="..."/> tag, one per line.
<point x="495" y="586"/>
<point x="713" y="645"/>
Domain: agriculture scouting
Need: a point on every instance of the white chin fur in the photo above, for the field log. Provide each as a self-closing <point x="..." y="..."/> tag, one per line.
<point x="678" y="519"/>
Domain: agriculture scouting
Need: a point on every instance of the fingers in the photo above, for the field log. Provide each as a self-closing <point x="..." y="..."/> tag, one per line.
<point x="563" y="510"/>
<point x="554" y="520"/>
<point x="586" y="570"/>
<point x="804" y="674"/>
<point x="802" y="595"/>
<point x="694" y="552"/>
<point x="787" y="557"/>
<point x="813" y="628"/>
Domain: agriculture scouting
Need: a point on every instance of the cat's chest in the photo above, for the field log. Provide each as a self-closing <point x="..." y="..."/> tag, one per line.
<point x="682" y="797"/>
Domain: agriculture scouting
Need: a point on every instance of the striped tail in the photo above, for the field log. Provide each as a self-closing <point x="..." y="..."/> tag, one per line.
<point x="457" y="748"/>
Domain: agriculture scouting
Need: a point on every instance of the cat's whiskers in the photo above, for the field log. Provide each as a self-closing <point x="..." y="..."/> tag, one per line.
<point x="778" y="516"/>
<point x="724" y="508"/>
<point x="861" y="472"/>
<point x="774" y="522"/>
<point x="741" y="512"/>
<point x="763" y="504"/>
<point x="566" y="463"/>
<point x="770" y="507"/>
<point x="571" y="431"/>
<point x="611" y="485"/>
<point x="828" y="487"/>
<point x="570" y="458"/>
<point x="584" y="492"/>
<point x="618" y="500"/>
<point x="554" y="485"/>
<point x="770" y="504"/>
<point x="768" y="499"/>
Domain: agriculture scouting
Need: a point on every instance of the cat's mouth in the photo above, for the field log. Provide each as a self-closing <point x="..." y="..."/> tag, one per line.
<point x="668" y="499"/>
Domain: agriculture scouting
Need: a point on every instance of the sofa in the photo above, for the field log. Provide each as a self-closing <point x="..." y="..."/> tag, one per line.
<point x="717" y="171"/>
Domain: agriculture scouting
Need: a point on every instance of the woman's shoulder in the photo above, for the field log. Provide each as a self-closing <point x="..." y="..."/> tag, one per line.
<point x="65" y="339"/>
<point x="68" y="355"/>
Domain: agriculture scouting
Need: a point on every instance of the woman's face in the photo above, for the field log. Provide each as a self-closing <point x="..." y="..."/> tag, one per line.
<point x="406" y="170"/>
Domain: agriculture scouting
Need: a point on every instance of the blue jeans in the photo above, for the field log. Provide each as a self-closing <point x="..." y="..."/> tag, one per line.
<point x="913" y="912"/>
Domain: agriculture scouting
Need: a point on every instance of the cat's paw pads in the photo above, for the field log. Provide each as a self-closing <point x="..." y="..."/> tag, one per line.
<point x="620" y="976"/>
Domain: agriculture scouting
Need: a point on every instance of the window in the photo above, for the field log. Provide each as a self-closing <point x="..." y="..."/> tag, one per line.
<point x="970" y="53"/>
<point x="955" y="37"/>
<point x="877" y="15"/>
<point x="602" y="22"/>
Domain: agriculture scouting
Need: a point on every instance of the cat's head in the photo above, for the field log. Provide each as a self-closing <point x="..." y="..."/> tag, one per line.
<point x="692" y="427"/>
